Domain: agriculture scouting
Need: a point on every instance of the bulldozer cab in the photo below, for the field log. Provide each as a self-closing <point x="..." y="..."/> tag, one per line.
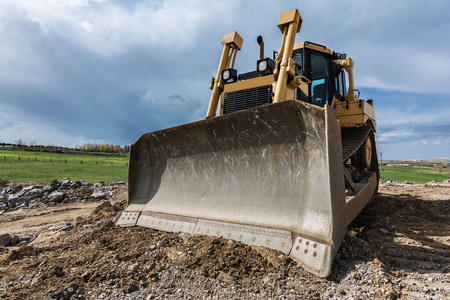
<point x="319" y="67"/>
<point x="317" y="63"/>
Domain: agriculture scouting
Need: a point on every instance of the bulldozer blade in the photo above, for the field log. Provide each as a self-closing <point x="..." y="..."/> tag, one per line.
<point x="269" y="176"/>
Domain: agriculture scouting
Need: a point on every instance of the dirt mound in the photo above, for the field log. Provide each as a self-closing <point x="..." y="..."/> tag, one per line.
<point x="397" y="248"/>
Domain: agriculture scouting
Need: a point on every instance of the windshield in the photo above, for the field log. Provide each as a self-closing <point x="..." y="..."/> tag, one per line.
<point x="320" y="79"/>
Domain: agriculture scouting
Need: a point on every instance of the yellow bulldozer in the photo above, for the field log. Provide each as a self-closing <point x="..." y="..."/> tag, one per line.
<point x="287" y="165"/>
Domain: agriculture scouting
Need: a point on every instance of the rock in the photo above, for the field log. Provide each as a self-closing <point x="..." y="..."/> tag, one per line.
<point x="58" y="271"/>
<point x="5" y="239"/>
<point x="133" y="267"/>
<point x="128" y="285"/>
<point x="27" y="190"/>
<point x="67" y="227"/>
<point x="99" y="195"/>
<point x="382" y="230"/>
<point x="12" y="201"/>
<point x="65" y="183"/>
<point x="22" y="243"/>
<point x="37" y="193"/>
<point x="75" y="184"/>
<point x="225" y="277"/>
<point x="14" y="240"/>
<point x="38" y="278"/>
<point x="17" y="189"/>
<point x="47" y="238"/>
<point x="105" y="207"/>
<point x="21" y="201"/>
<point x="5" y="191"/>
<point x="54" y="184"/>
<point x="86" y="275"/>
<point x="173" y="254"/>
<point x="56" y="196"/>
<point x="117" y="207"/>
<point x="85" y="191"/>
<point x="390" y="295"/>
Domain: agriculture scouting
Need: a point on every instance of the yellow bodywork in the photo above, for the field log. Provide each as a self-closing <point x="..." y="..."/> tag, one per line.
<point x="270" y="175"/>
<point x="355" y="113"/>
<point x="232" y="43"/>
<point x="352" y="112"/>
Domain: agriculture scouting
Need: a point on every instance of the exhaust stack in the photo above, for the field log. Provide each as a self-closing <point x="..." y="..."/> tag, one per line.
<point x="260" y="41"/>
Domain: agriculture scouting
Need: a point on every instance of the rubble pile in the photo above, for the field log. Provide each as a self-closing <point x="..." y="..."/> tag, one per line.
<point x="19" y="196"/>
<point x="397" y="248"/>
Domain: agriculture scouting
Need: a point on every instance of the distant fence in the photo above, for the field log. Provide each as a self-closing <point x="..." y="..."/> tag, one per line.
<point x="51" y="160"/>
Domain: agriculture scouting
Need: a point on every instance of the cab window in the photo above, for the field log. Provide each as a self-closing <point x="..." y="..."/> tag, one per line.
<point x="298" y="58"/>
<point x="320" y="75"/>
<point x="339" y="83"/>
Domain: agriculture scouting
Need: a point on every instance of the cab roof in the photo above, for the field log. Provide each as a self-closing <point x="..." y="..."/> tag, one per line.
<point x="313" y="46"/>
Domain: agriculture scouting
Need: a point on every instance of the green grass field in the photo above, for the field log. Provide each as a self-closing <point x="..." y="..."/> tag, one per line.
<point x="43" y="167"/>
<point x="402" y="174"/>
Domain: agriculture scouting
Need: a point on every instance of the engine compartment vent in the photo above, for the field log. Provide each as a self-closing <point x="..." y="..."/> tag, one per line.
<point x="249" y="98"/>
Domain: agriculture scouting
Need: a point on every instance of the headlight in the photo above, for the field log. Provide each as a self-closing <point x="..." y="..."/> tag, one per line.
<point x="262" y="66"/>
<point x="226" y="75"/>
<point x="265" y="66"/>
<point x="229" y="75"/>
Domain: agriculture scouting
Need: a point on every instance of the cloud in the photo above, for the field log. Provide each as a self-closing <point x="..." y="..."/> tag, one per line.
<point x="74" y="4"/>
<point x="159" y="24"/>
<point x="414" y="127"/>
<point x="88" y="27"/>
<point x="111" y="70"/>
<point x="399" y="45"/>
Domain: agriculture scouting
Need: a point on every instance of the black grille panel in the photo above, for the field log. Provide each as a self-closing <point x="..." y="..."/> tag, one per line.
<point x="249" y="98"/>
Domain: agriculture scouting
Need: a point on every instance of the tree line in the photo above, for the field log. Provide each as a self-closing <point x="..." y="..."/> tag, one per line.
<point x="91" y="148"/>
<point x="104" y="148"/>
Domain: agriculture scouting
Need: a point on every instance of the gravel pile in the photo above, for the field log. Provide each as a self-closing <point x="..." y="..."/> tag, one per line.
<point x="19" y="197"/>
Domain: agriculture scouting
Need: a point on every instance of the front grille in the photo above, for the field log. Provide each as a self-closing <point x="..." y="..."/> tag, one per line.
<point x="249" y="98"/>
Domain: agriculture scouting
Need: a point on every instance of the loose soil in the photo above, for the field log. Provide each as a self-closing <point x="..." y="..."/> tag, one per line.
<point x="398" y="247"/>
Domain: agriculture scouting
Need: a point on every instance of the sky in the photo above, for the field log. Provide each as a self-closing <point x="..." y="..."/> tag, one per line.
<point x="95" y="71"/>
